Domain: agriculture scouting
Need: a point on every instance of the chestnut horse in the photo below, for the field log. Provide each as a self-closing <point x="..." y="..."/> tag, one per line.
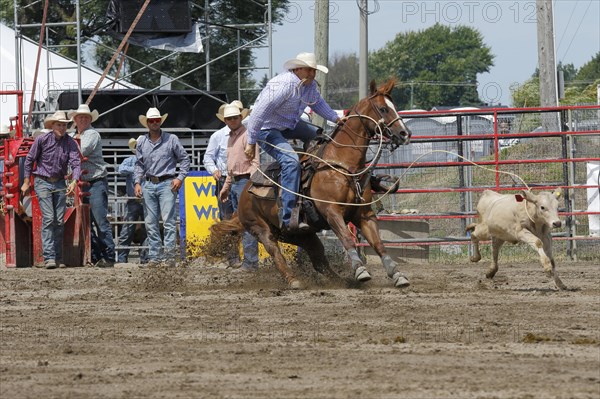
<point x="340" y="189"/>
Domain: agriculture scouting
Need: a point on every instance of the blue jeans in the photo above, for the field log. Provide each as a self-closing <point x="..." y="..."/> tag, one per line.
<point x="249" y="242"/>
<point x="98" y="200"/>
<point x="52" y="200"/>
<point x="160" y="202"/>
<point x="225" y="208"/>
<point x="134" y="213"/>
<point x="275" y="143"/>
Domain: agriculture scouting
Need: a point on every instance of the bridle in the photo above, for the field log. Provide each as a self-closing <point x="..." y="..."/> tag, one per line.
<point x="381" y="127"/>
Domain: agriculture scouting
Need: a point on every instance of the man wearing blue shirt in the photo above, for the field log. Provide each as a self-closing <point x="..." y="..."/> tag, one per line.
<point x="158" y="154"/>
<point x="275" y="118"/>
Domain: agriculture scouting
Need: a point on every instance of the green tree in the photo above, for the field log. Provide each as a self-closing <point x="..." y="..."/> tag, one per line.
<point x="441" y="63"/>
<point x="590" y="71"/>
<point x="527" y="94"/>
<point x="580" y="85"/>
<point x="222" y="40"/>
<point x="342" y="81"/>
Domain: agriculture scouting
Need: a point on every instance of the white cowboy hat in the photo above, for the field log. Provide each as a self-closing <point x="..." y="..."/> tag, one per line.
<point x="58" y="116"/>
<point x="304" y="60"/>
<point x="5" y="131"/>
<point x="133" y="143"/>
<point x="152" y="113"/>
<point x="84" y="109"/>
<point x="235" y="108"/>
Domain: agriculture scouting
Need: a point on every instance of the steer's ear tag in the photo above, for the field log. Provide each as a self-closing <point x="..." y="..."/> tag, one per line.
<point x="519" y="197"/>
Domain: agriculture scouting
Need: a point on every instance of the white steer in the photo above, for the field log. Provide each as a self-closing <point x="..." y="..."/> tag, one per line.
<point x="527" y="218"/>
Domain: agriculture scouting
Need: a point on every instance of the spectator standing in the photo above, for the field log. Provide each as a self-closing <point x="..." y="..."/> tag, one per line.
<point x="239" y="170"/>
<point x="276" y="117"/>
<point x="134" y="208"/>
<point x="52" y="153"/>
<point x="215" y="163"/>
<point x="158" y="154"/>
<point x="103" y="245"/>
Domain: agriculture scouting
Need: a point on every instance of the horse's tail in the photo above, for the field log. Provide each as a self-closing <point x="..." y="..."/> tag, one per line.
<point x="227" y="227"/>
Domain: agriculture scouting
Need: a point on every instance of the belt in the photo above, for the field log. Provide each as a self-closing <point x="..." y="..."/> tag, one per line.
<point x="237" y="178"/>
<point x="158" y="179"/>
<point x="50" y="179"/>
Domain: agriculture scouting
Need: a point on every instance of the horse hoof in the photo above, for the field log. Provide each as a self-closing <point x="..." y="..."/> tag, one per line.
<point x="295" y="284"/>
<point x="361" y="274"/>
<point x="400" y="281"/>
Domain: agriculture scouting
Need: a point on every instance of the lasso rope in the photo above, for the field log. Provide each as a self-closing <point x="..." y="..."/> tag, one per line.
<point x="332" y="166"/>
<point x="389" y="191"/>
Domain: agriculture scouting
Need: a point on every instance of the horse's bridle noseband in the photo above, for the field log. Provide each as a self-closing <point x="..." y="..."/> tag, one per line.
<point x="384" y="128"/>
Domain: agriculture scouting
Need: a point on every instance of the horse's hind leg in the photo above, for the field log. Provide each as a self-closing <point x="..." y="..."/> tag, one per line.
<point x="270" y="244"/>
<point x="316" y="252"/>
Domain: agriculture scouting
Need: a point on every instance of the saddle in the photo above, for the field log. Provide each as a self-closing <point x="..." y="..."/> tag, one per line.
<point x="262" y="186"/>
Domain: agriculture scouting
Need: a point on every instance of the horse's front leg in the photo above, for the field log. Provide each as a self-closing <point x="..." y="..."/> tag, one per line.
<point x="369" y="229"/>
<point x="340" y="228"/>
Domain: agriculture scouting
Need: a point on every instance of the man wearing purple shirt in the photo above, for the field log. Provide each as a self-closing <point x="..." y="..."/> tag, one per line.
<point x="275" y="118"/>
<point x="52" y="153"/>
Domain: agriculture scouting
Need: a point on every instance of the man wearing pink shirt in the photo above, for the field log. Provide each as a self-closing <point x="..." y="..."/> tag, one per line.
<point x="239" y="169"/>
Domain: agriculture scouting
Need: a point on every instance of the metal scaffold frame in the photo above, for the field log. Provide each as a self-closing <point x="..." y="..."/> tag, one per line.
<point x="19" y="37"/>
<point x="115" y="147"/>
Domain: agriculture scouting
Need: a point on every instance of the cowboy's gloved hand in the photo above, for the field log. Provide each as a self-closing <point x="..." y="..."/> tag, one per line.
<point x="71" y="188"/>
<point x="340" y="121"/>
<point x="249" y="151"/>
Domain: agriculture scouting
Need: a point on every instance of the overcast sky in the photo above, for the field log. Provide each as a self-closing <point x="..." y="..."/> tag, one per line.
<point x="508" y="28"/>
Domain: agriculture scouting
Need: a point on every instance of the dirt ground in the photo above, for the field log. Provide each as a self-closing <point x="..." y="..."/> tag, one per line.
<point x="198" y="331"/>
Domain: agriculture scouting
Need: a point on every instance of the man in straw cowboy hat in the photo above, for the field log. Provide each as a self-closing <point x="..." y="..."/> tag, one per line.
<point x="276" y="117"/>
<point x="134" y="206"/>
<point x="158" y="153"/>
<point x="239" y="169"/>
<point x="215" y="159"/>
<point x="103" y="245"/>
<point x="52" y="153"/>
<point x="215" y="163"/>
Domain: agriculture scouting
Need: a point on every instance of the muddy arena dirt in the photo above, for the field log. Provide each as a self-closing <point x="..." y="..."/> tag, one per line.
<point x="202" y="331"/>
